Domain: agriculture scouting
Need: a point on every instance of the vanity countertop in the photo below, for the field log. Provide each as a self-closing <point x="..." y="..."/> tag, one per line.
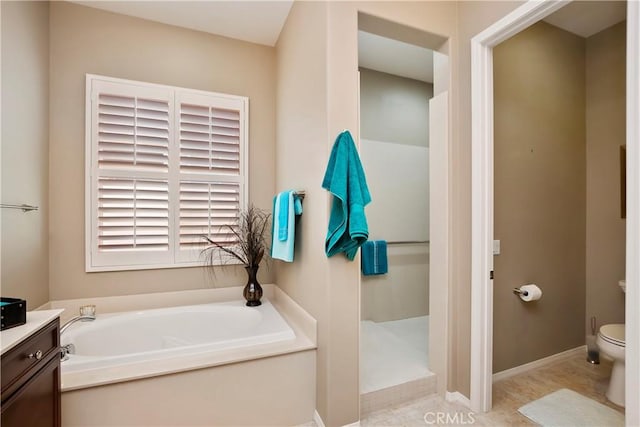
<point x="35" y="320"/>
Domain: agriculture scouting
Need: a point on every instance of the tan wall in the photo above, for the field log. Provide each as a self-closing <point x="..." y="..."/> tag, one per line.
<point x="539" y="193"/>
<point x="606" y="96"/>
<point x="321" y="38"/>
<point x="301" y="155"/>
<point x="394" y="108"/>
<point x="25" y="152"/>
<point x="86" y="40"/>
<point x="473" y="17"/>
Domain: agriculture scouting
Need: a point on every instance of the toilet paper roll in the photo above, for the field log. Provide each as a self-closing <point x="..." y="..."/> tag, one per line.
<point x="530" y="292"/>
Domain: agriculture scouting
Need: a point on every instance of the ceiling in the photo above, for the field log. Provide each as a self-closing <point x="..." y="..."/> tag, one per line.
<point x="253" y="21"/>
<point x="260" y="21"/>
<point x="395" y="57"/>
<point x="586" y="18"/>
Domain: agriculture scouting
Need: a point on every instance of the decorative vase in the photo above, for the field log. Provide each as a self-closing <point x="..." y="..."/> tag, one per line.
<point x="252" y="291"/>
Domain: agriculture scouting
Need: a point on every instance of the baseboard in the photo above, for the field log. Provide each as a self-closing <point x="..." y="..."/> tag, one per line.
<point x="318" y="419"/>
<point x="458" y="397"/>
<point x="508" y="373"/>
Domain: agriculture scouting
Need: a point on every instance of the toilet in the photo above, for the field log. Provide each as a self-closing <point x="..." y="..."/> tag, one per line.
<point x="612" y="344"/>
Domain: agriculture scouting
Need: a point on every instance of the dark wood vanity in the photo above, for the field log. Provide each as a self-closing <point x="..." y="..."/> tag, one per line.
<point x="31" y="379"/>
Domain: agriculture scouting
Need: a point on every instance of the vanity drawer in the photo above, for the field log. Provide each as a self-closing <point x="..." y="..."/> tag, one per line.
<point x="24" y="360"/>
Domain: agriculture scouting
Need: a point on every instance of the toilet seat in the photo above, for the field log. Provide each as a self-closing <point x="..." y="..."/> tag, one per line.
<point x="613" y="334"/>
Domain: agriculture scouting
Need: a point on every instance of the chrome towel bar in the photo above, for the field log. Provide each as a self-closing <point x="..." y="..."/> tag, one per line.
<point x="25" y="208"/>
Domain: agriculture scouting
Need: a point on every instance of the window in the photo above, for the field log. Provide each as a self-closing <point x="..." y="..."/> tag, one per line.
<point x="165" y="166"/>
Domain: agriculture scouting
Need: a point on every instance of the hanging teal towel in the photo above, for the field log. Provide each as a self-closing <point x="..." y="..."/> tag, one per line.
<point x="374" y="257"/>
<point x="345" y="179"/>
<point x="286" y="206"/>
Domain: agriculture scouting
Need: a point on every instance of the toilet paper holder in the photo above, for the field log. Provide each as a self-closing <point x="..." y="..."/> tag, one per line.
<point x="517" y="291"/>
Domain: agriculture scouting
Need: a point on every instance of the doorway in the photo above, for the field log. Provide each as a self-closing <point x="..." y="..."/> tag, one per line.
<point x="404" y="138"/>
<point x="482" y="203"/>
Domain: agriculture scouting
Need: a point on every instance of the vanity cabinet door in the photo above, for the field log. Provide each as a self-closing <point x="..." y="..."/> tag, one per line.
<point x="37" y="403"/>
<point x="31" y="380"/>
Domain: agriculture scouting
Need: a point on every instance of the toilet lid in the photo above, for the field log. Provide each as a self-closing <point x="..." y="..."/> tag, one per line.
<point x="613" y="333"/>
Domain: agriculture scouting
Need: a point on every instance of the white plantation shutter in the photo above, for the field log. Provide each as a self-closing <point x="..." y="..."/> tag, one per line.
<point x="209" y="140"/>
<point x="133" y="133"/>
<point x="133" y="215"/>
<point x="212" y="139"/>
<point x="165" y="167"/>
<point x="208" y="209"/>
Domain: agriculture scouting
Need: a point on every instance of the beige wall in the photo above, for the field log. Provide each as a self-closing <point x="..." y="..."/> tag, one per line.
<point x="318" y="85"/>
<point x="606" y="96"/>
<point x="393" y="108"/>
<point x="539" y="193"/>
<point x="86" y="40"/>
<point x="301" y="155"/>
<point x="25" y="153"/>
<point x="473" y="17"/>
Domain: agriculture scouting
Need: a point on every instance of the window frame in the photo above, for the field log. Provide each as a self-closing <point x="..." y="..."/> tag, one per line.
<point x="174" y="257"/>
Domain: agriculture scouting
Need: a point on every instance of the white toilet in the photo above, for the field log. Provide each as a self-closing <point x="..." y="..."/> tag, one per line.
<point x="612" y="344"/>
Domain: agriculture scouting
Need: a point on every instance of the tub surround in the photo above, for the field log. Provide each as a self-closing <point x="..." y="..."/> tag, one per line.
<point x="35" y="320"/>
<point x="276" y="391"/>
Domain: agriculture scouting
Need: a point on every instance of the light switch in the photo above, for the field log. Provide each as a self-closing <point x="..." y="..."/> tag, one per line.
<point x="496" y="247"/>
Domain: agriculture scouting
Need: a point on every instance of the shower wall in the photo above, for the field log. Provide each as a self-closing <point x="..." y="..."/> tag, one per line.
<point x="394" y="150"/>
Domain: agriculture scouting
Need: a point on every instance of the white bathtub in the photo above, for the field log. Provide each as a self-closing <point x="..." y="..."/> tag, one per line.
<point x="117" y="339"/>
<point x="205" y="360"/>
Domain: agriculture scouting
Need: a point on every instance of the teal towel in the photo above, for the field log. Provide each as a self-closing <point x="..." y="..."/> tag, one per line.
<point x="345" y="179"/>
<point x="283" y="218"/>
<point x="374" y="257"/>
<point x="284" y="212"/>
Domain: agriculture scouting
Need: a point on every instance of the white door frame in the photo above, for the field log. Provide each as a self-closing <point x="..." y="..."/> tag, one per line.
<point x="482" y="199"/>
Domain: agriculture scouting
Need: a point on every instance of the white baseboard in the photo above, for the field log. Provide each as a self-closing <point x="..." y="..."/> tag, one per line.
<point x="318" y="419"/>
<point x="508" y="373"/>
<point x="458" y="397"/>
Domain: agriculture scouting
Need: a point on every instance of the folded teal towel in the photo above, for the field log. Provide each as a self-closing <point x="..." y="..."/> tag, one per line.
<point x="283" y="225"/>
<point x="283" y="217"/>
<point x="374" y="257"/>
<point x="345" y="179"/>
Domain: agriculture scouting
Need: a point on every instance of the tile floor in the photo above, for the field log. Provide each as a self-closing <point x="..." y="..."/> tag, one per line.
<point x="508" y="395"/>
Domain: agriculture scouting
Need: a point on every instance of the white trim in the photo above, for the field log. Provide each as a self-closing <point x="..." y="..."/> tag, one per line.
<point x="318" y="419"/>
<point x="632" y="321"/>
<point x="568" y="354"/>
<point x="457" y="397"/>
<point x="482" y="198"/>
